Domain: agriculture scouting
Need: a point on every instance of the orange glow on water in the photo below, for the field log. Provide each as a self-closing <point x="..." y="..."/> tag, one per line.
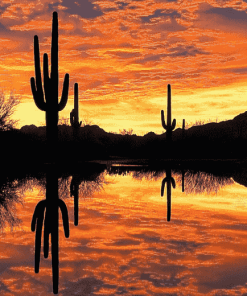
<point x="123" y="241"/>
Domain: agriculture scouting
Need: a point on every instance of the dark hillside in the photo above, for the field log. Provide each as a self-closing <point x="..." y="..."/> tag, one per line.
<point x="224" y="140"/>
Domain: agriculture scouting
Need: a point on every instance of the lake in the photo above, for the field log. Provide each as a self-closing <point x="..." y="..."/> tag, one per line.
<point x="124" y="243"/>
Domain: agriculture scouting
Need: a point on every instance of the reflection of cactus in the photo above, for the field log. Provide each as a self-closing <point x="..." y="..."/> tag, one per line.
<point x="169" y="127"/>
<point x="50" y="227"/>
<point x="74" y="191"/>
<point x="170" y="181"/>
<point x="50" y="104"/>
<point x="49" y="209"/>
<point x="74" y="114"/>
<point x="182" y="180"/>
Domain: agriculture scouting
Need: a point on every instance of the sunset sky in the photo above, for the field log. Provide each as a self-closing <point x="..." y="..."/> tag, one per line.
<point x="124" y="53"/>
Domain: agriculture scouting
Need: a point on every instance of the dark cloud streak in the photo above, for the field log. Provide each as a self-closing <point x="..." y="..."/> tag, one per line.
<point x="84" y="9"/>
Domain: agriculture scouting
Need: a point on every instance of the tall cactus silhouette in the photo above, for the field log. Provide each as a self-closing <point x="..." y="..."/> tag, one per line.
<point x="74" y="114"/>
<point x="170" y="181"/>
<point x="49" y="103"/>
<point x="169" y="127"/>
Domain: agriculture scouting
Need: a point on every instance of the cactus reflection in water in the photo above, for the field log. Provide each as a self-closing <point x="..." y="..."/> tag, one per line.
<point x="182" y="180"/>
<point x="169" y="127"/>
<point x="170" y="181"/>
<point x="74" y="191"/>
<point x="46" y="212"/>
<point x="49" y="104"/>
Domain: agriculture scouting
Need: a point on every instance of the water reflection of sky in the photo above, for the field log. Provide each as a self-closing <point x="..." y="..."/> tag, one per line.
<point x="123" y="244"/>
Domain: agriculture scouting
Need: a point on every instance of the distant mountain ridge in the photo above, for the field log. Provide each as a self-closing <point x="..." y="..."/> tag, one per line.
<point x="230" y="128"/>
<point x="226" y="139"/>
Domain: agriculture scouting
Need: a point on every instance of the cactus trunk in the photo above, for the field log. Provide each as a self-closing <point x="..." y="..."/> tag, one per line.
<point x="74" y="114"/>
<point x="76" y="103"/>
<point x="169" y="105"/>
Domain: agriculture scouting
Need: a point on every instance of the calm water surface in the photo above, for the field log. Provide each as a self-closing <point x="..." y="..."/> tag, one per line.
<point x="123" y="244"/>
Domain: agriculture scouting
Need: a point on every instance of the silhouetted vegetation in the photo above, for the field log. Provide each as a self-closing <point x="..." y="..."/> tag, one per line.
<point x="9" y="198"/>
<point x="201" y="182"/>
<point x="126" y="132"/>
<point x="7" y="108"/>
<point x="199" y="123"/>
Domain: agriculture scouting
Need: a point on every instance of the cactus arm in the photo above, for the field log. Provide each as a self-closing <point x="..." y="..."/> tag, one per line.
<point x="37" y="66"/>
<point x="65" y="217"/>
<point x="38" y="241"/>
<point x="163" y="186"/>
<point x="72" y="117"/>
<point x="47" y="231"/>
<point x="65" y="93"/>
<point x="37" y="89"/>
<point x="163" y="120"/>
<point x="38" y="217"/>
<point x="173" y="182"/>
<point x="39" y="209"/>
<point x="173" y="124"/>
<point x="39" y="101"/>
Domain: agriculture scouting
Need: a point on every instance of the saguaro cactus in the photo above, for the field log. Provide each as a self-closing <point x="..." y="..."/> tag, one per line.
<point x="50" y="104"/>
<point x="74" y="114"/>
<point x="169" y="127"/>
<point x="170" y="181"/>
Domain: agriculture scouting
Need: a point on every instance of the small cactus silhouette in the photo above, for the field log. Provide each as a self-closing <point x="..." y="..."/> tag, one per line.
<point x="50" y="103"/>
<point x="170" y="181"/>
<point x="169" y="127"/>
<point x="183" y="129"/>
<point x="74" y="114"/>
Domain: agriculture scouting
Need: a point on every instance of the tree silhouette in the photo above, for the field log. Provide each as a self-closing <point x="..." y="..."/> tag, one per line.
<point x="7" y="108"/>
